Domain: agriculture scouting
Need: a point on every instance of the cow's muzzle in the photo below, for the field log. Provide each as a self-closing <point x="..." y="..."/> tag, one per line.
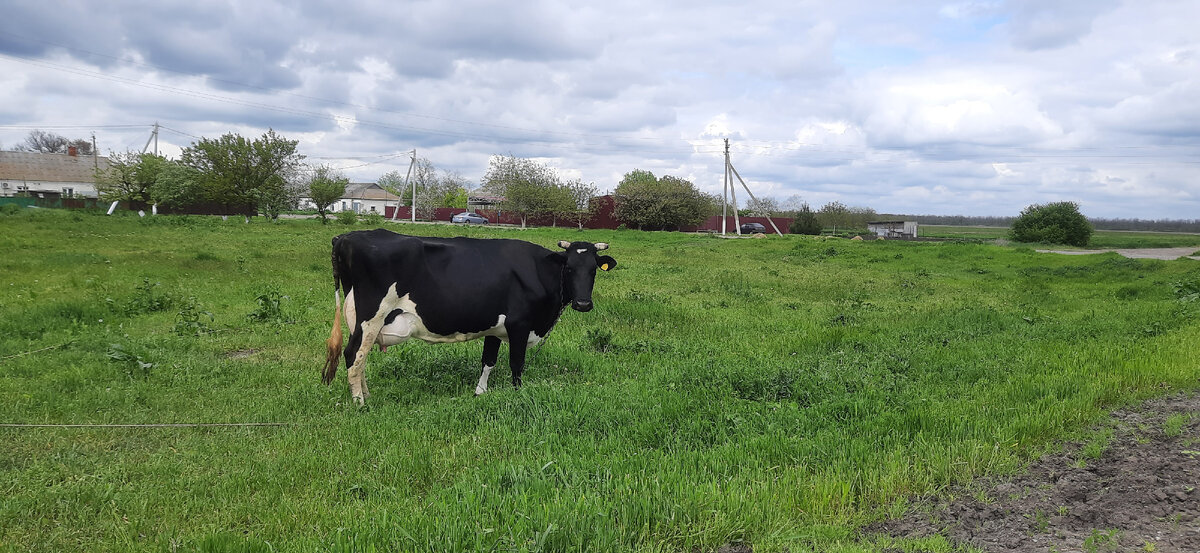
<point x="582" y="306"/>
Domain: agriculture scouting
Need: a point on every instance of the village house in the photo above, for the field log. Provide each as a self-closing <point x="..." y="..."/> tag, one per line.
<point x="49" y="176"/>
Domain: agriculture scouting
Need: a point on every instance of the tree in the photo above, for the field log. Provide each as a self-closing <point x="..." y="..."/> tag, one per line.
<point x="581" y="194"/>
<point x="858" y="217"/>
<point x="1053" y="223"/>
<point x="528" y="186"/>
<point x="129" y="177"/>
<point x="650" y="203"/>
<point x="243" y="175"/>
<point x="52" y="143"/>
<point x="834" y="214"/>
<point x="805" y="221"/>
<point x="325" y="186"/>
<point x="177" y="186"/>
<point x="762" y="207"/>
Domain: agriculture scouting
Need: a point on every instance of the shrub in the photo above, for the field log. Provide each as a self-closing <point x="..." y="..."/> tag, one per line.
<point x="347" y="217"/>
<point x="10" y="209"/>
<point x="373" y="219"/>
<point x="1054" y="223"/>
<point x="805" y="222"/>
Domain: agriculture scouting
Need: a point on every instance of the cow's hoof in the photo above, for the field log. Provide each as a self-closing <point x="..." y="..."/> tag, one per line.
<point x="479" y="391"/>
<point x="359" y="401"/>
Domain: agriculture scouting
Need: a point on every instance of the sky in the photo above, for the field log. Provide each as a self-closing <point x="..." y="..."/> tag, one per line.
<point x="976" y="107"/>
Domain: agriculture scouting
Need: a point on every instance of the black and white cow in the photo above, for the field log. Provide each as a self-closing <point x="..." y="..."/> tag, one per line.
<point x="452" y="290"/>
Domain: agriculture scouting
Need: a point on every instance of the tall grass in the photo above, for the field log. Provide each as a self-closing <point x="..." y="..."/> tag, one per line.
<point x="778" y="392"/>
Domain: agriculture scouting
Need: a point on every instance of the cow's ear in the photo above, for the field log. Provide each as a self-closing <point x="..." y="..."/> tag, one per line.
<point x="606" y="263"/>
<point x="564" y="244"/>
<point x="600" y="246"/>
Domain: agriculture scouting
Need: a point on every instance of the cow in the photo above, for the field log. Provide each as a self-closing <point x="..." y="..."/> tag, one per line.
<point x="439" y="290"/>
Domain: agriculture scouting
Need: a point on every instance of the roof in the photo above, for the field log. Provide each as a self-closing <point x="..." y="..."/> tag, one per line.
<point x="368" y="191"/>
<point x="39" y="167"/>
<point x="889" y="222"/>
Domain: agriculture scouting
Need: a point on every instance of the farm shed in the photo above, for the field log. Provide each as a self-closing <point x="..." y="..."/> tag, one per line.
<point x="49" y="176"/>
<point x="893" y="229"/>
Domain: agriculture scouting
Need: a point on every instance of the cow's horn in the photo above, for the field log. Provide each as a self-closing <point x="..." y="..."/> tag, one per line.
<point x="564" y="244"/>
<point x="601" y="246"/>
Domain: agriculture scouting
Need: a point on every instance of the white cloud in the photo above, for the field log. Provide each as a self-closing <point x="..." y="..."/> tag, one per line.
<point x="975" y="106"/>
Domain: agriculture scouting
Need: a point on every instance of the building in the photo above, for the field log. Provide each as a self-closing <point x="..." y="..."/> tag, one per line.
<point x="360" y="197"/>
<point x="893" y="229"/>
<point x="49" y="176"/>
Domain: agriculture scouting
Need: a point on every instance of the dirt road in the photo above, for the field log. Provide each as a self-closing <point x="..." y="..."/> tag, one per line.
<point x="1139" y="253"/>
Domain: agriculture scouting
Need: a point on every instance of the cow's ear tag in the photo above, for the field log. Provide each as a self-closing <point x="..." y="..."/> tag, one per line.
<point x="564" y="244"/>
<point x="606" y="263"/>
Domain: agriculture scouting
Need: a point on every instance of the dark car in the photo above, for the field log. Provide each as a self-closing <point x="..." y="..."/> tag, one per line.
<point x="753" y="228"/>
<point x="469" y="217"/>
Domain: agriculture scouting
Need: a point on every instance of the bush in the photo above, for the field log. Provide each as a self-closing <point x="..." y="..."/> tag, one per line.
<point x="1054" y="223"/>
<point x="10" y="209"/>
<point x="373" y="219"/>
<point x="805" y="222"/>
<point x="347" y="217"/>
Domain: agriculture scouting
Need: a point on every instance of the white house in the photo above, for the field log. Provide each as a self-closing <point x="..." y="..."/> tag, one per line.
<point x="39" y="175"/>
<point x="361" y="197"/>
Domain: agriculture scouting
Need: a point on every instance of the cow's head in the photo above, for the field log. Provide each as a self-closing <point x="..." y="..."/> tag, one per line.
<point x="580" y="271"/>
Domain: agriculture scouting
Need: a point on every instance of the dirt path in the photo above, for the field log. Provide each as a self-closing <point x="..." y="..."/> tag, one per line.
<point x="1137" y="493"/>
<point x="1138" y="253"/>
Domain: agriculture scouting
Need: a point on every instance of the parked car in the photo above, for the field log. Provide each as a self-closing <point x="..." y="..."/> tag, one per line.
<point x="469" y="217"/>
<point x="753" y="228"/>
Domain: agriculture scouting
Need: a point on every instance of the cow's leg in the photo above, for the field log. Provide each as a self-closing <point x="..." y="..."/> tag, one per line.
<point x="516" y="354"/>
<point x="367" y="333"/>
<point x="491" y="351"/>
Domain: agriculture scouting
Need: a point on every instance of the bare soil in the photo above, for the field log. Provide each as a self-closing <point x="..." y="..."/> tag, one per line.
<point x="1136" y="493"/>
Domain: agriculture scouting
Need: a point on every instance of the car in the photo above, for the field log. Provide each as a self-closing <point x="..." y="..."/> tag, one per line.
<point x="753" y="228"/>
<point x="469" y="217"/>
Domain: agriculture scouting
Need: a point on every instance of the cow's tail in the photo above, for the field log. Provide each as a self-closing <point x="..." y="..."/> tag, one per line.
<point x="333" y="346"/>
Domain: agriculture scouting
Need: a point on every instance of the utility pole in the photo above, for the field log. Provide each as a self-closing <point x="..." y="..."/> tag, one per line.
<point x="399" y="201"/>
<point x="413" y="163"/>
<point x="725" y="191"/>
<point x="729" y="170"/>
<point x="154" y="138"/>
<point x="95" y="153"/>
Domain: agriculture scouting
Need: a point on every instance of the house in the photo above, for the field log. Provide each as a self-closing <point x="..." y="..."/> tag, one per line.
<point x="50" y="176"/>
<point x="893" y="229"/>
<point x="361" y="197"/>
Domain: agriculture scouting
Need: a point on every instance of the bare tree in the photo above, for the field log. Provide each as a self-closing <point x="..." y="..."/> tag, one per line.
<point x="765" y="206"/>
<point x="52" y="143"/>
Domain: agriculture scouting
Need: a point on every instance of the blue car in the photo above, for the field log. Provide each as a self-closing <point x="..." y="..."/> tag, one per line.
<point x="469" y="218"/>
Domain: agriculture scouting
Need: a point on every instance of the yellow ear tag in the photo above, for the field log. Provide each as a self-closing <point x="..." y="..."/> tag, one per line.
<point x="604" y="266"/>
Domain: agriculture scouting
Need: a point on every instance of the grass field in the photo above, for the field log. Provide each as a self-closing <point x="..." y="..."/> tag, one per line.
<point x="1101" y="239"/>
<point x="780" y="392"/>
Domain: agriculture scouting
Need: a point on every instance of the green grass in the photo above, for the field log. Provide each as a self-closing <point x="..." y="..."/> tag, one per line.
<point x="781" y="392"/>
<point x="1101" y="239"/>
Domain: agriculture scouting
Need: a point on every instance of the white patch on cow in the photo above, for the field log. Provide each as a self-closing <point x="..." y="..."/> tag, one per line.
<point x="534" y="339"/>
<point x="421" y="332"/>
<point x="483" y="380"/>
<point x="581" y="250"/>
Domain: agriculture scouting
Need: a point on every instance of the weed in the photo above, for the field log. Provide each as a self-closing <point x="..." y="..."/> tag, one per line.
<point x="270" y="307"/>
<point x="134" y="365"/>
<point x="598" y="339"/>
<point x="347" y="217"/>
<point x="1108" y="540"/>
<point x="190" y="321"/>
<point x="147" y="300"/>
<point x="1041" y="521"/>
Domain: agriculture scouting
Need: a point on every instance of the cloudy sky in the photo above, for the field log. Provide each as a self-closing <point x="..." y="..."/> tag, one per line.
<point x="976" y="107"/>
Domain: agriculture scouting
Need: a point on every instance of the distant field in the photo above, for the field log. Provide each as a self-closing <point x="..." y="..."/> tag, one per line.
<point x="1100" y="239"/>
<point x="780" y="392"/>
